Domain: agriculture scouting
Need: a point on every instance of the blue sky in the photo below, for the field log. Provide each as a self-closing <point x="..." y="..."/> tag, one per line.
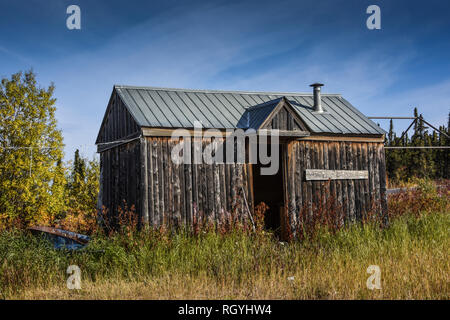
<point x="236" y="45"/>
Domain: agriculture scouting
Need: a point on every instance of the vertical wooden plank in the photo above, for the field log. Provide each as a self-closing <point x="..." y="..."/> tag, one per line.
<point x="108" y="181"/>
<point x="188" y="186"/>
<point x="340" y="186"/>
<point x="195" y="183"/>
<point x="204" y="171"/>
<point x="128" y="204"/>
<point x="318" y="164"/>
<point x="223" y="206"/>
<point x="377" y="178"/>
<point x="362" y="195"/>
<point x="325" y="165"/>
<point x="351" y="193"/>
<point x="161" y="182"/>
<point x="116" y="122"/>
<point x="181" y="175"/>
<point x="113" y="122"/>
<point x="204" y="179"/>
<point x="228" y="187"/>
<point x="383" y="196"/>
<point x="144" y="181"/>
<point x="165" y="175"/>
<point x="309" y="188"/>
<point x="177" y="207"/>
<point x="312" y="165"/>
<point x="210" y="185"/>
<point x="137" y="177"/>
<point x="365" y="183"/>
<point x="117" y="199"/>
<point x="156" y="183"/>
<point x="233" y="188"/>
<point x="125" y="180"/>
<point x="170" y="205"/>
<point x="371" y="176"/>
<point x="338" y="183"/>
<point x="291" y="122"/>
<point x="289" y="175"/>
<point x="345" y="183"/>
<point x="151" y="207"/>
<point x="111" y="184"/>
<point x="332" y="166"/>
<point x="297" y="154"/>
<point x="120" y="177"/>
<point x="124" y="122"/>
<point x="355" y="160"/>
<point x="251" y="190"/>
<point x="245" y="193"/>
<point x="241" y="190"/>
<point x="216" y="182"/>
<point x="303" y="166"/>
<point x="237" y="184"/>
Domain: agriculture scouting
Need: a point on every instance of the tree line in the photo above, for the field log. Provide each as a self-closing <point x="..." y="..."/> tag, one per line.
<point x="404" y="164"/>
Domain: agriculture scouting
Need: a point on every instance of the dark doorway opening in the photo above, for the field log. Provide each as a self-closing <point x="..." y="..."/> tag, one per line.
<point x="269" y="189"/>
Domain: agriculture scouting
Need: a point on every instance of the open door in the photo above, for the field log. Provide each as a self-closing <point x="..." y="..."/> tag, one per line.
<point x="281" y="116"/>
<point x="270" y="190"/>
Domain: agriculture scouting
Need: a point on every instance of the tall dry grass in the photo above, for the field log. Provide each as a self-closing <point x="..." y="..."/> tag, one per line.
<point x="240" y="264"/>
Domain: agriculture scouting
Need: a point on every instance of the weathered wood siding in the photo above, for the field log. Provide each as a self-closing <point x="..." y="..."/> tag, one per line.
<point x="120" y="178"/>
<point x="187" y="194"/>
<point x="284" y="120"/>
<point x="177" y="194"/>
<point x="142" y="174"/>
<point x="355" y="197"/>
<point x="118" y="122"/>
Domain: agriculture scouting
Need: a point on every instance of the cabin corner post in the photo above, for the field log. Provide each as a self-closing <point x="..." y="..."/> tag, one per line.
<point x="290" y="214"/>
<point x="383" y="193"/>
<point x="100" y="191"/>
<point x="143" y="188"/>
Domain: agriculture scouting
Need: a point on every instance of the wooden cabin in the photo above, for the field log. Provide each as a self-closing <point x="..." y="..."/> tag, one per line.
<point x="328" y="152"/>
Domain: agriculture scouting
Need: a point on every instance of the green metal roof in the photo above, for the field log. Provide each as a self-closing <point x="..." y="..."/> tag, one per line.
<point x="179" y="108"/>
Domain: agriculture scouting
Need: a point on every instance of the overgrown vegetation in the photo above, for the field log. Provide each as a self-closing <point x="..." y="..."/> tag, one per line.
<point x="412" y="254"/>
<point x="231" y="260"/>
<point x="36" y="186"/>
<point x="80" y="196"/>
<point x="31" y="169"/>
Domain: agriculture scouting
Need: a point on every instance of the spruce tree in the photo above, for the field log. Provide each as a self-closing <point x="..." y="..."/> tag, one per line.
<point x="83" y="185"/>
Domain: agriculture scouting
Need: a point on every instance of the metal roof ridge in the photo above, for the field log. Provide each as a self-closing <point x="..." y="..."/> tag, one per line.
<point x="264" y="104"/>
<point x="119" y="86"/>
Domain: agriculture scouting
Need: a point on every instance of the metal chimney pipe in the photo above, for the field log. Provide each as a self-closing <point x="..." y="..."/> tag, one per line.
<point x="317" y="99"/>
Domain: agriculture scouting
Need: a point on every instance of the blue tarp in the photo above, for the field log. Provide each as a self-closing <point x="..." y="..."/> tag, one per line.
<point x="63" y="239"/>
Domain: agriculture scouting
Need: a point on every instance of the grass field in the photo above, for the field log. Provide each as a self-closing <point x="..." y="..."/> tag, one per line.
<point x="413" y="255"/>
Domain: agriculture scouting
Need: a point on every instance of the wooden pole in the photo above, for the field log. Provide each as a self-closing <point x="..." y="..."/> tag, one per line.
<point x="144" y="181"/>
